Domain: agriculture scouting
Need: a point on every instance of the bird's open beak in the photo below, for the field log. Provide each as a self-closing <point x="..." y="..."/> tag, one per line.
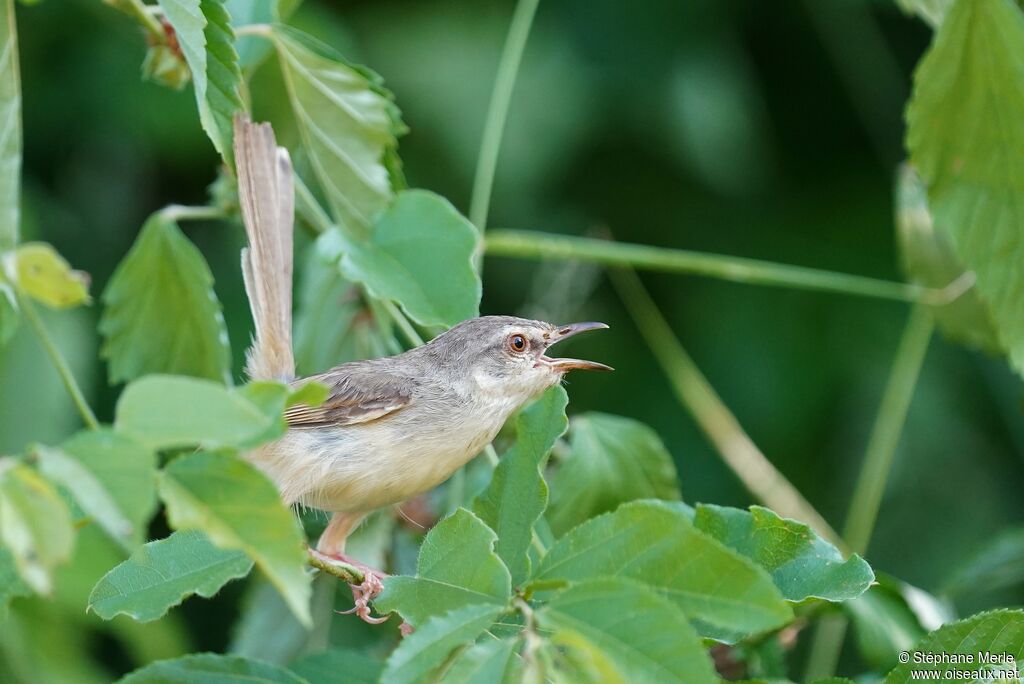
<point x="566" y="365"/>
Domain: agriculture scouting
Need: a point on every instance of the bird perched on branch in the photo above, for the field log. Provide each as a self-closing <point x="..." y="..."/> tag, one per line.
<point x="391" y="428"/>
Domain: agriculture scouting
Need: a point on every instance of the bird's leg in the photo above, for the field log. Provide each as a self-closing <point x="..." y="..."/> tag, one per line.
<point x="332" y="546"/>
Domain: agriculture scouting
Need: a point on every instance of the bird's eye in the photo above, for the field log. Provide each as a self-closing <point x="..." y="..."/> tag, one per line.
<point x="518" y="343"/>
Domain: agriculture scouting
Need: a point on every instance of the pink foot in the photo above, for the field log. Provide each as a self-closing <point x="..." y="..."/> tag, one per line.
<point x="362" y="594"/>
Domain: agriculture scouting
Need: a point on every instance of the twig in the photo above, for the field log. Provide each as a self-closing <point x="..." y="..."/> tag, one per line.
<point x="180" y="212"/>
<point x="738" y="451"/>
<point x="343" y="571"/>
<point x="63" y="370"/>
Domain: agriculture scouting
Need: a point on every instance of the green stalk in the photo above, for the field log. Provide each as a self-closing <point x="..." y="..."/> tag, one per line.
<point x="534" y="245"/>
<point x="739" y="452"/>
<point x="497" y="112"/>
<point x="63" y="370"/>
<point x="878" y="460"/>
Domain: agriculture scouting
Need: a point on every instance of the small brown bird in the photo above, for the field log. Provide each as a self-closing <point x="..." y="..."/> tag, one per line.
<point x="391" y="428"/>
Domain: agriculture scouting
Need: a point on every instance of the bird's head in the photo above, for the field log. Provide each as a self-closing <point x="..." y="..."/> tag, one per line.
<point x="509" y="356"/>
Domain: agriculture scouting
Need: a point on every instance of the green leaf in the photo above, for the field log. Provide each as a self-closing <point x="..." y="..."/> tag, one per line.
<point x="163" y="573"/>
<point x="267" y="630"/>
<point x="112" y="479"/>
<point x="11" y="585"/>
<point x="426" y="648"/>
<point x="10" y="130"/>
<point x="491" y="661"/>
<point x="207" y="668"/>
<point x="997" y="632"/>
<point x="517" y="494"/>
<point x="349" y="126"/>
<point x="252" y="49"/>
<point x="928" y="259"/>
<point x="161" y="314"/>
<point x="997" y="564"/>
<point x="457" y="567"/>
<point x="165" y="411"/>
<point x="8" y="312"/>
<point x="325" y="667"/>
<point x="964" y="131"/>
<point x="653" y="542"/>
<point x="207" y="40"/>
<point x="239" y="508"/>
<point x="44" y="275"/>
<point x="645" y="637"/>
<point x="35" y="525"/>
<point x="420" y="255"/>
<point x="932" y="11"/>
<point x="802" y="564"/>
<point x="612" y="460"/>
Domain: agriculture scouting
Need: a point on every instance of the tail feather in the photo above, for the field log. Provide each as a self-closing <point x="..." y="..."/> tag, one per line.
<point x="267" y="198"/>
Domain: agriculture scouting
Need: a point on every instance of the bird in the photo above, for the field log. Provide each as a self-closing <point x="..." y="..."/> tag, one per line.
<point x="390" y="428"/>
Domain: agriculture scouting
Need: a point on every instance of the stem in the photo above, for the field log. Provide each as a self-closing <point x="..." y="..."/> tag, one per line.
<point x="497" y="112"/>
<point x="88" y="417"/>
<point x="180" y="212"/>
<point x="343" y="571"/>
<point x="534" y="245"/>
<point x="402" y="322"/>
<point x="720" y="426"/>
<point x="878" y="460"/>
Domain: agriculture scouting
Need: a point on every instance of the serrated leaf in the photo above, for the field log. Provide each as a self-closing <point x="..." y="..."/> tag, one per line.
<point x="426" y="648"/>
<point x="802" y="564"/>
<point x="35" y="525"/>
<point x="46" y="276"/>
<point x="163" y="573"/>
<point x="491" y="661"/>
<point x="165" y="411"/>
<point x="349" y="126"/>
<point x="206" y="668"/>
<point x="726" y="595"/>
<point x="112" y="479"/>
<point x="325" y="667"/>
<point x="161" y="314"/>
<point x="928" y="259"/>
<point x="420" y="255"/>
<point x="997" y="564"/>
<point x="995" y="632"/>
<point x="457" y="567"/>
<point x="611" y="460"/>
<point x="644" y="636"/>
<point x="204" y="32"/>
<point x="239" y="508"/>
<point x="10" y="131"/>
<point x="517" y="494"/>
<point x="964" y="132"/>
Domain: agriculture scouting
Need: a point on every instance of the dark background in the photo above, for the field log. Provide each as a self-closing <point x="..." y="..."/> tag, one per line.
<point x="767" y="130"/>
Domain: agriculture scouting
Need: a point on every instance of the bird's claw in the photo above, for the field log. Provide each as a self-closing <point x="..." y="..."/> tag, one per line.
<point x="362" y="594"/>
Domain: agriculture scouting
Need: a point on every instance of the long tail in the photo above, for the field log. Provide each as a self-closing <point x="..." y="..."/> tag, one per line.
<point x="267" y="198"/>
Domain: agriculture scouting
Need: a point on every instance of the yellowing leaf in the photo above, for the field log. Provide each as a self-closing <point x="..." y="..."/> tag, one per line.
<point x="43" y="274"/>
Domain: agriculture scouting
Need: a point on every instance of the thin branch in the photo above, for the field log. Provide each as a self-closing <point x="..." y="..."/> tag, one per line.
<point x="63" y="370"/>
<point x="720" y="426"/>
<point x="403" y="323"/>
<point x="343" y="571"/>
<point x="180" y="212"/>
<point x="535" y="245"/>
<point x="497" y="112"/>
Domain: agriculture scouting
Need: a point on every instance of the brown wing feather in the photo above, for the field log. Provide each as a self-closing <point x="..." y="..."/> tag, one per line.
<point x="358" y="393"/>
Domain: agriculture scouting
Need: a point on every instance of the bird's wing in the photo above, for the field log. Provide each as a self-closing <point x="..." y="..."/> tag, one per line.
<point x="359" y="392"/>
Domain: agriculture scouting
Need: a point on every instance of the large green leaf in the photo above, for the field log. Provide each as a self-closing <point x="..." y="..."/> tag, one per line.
<point x="491" y="661"/>
<point x="420" y="255"/>
<point x="204" y="32"/>
<point x="161" y="314"/>
<point x="239" y="508"/>
<point x="997" y="564"/>
<point x="35" y="525"/>
<point x="998" y="632"/>
<point x="645" y="637"/>
<point x="928" y="259"/>
<point x="457" y="567"/>
<point x="654" y="542"/>
<point x="517" y="494"/>
<point x="964" y="133"/>
<point x="210" y="668"/>
<point x="349" y="126"/>
<point x="326" y="667"/>
<point x="423" y="651"/>
<point x="163" y="573"/>
<point x="10" y="130"/>
<point x="112" y="479"/>
<point x="165" y="411"/>
<point x="612" y="460"/>
<point x="802" y="564"/>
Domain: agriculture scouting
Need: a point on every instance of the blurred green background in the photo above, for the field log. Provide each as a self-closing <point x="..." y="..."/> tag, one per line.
<point x="767" y="130"/>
